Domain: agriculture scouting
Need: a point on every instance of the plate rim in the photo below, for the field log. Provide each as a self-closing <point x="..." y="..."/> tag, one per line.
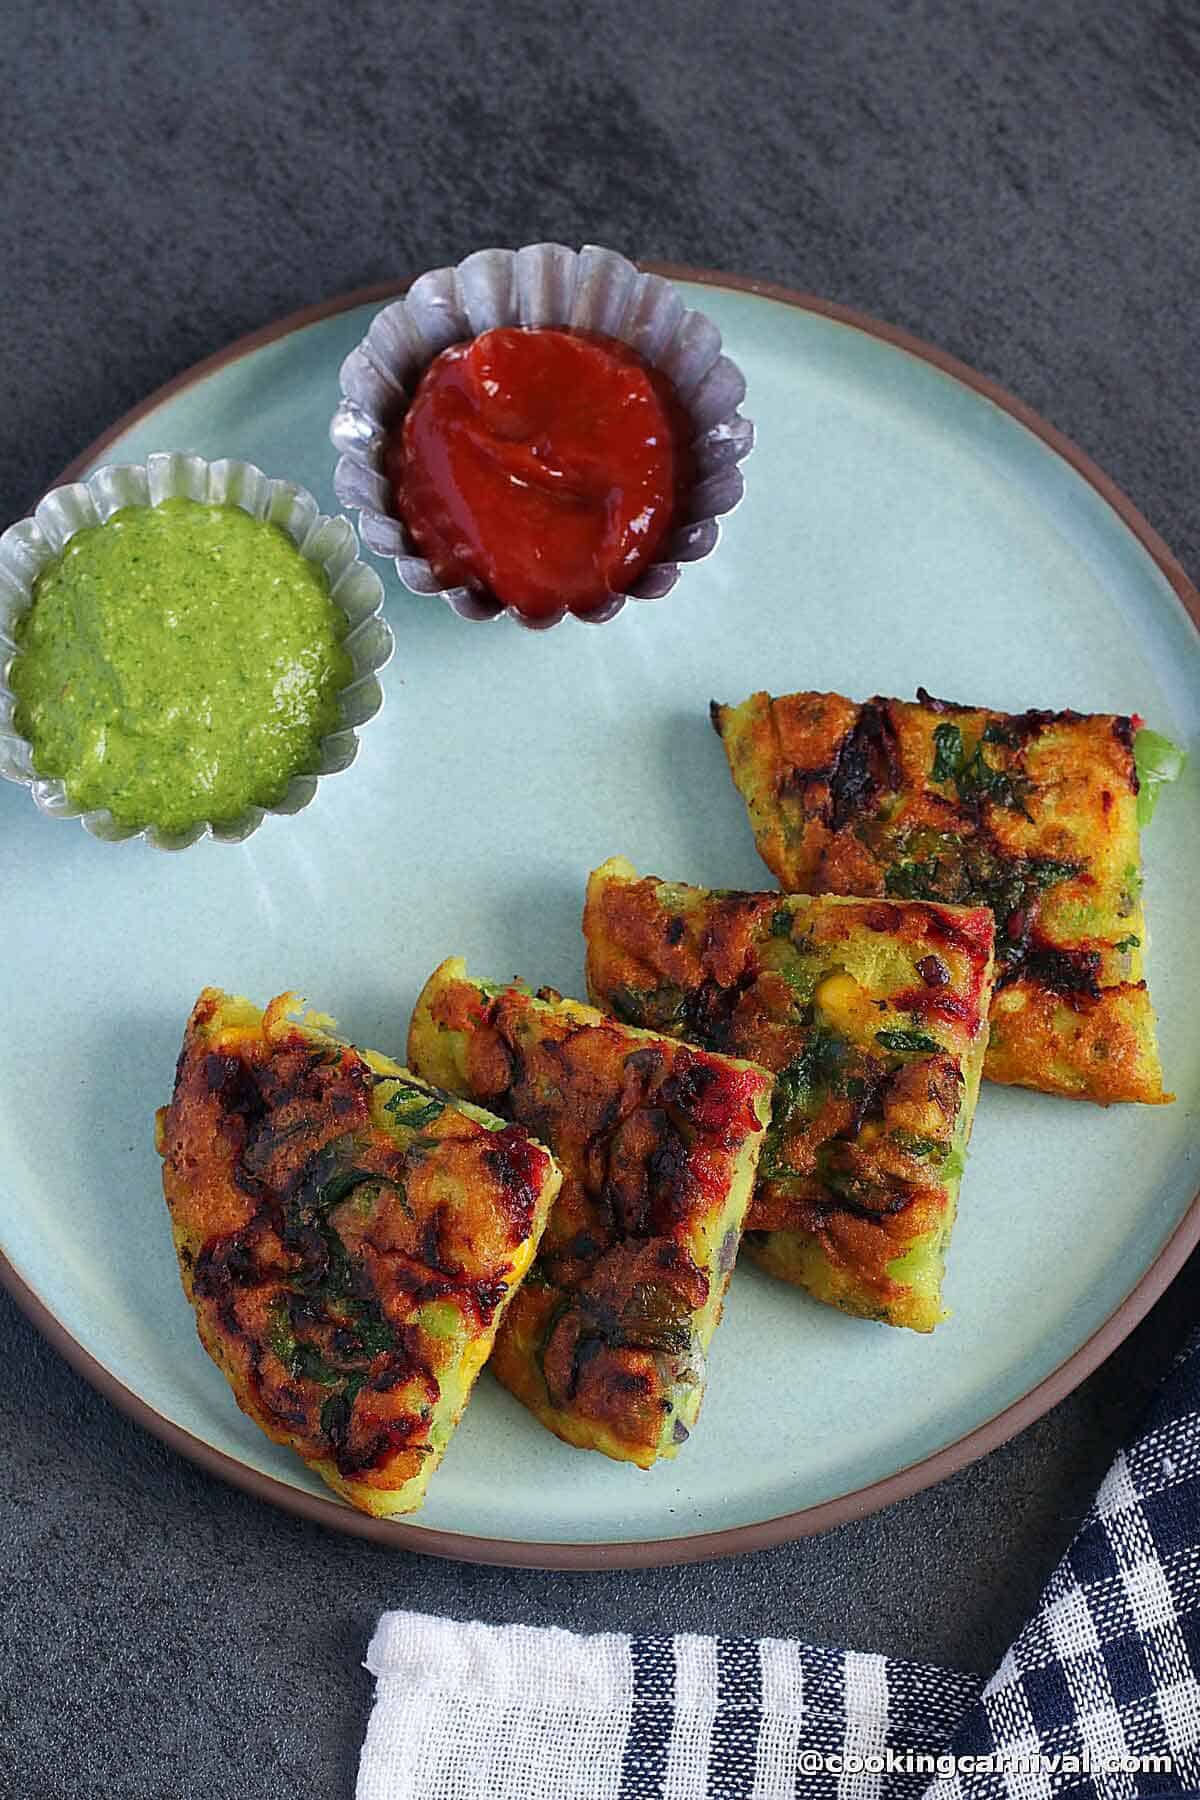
<point x="766" y="1533"/>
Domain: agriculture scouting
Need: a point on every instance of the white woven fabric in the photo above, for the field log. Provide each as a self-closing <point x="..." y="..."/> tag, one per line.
<point x="472" y="1712"/>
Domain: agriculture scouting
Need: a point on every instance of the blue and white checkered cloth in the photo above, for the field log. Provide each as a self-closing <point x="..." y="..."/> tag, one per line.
<point x="1105" y="1676"/>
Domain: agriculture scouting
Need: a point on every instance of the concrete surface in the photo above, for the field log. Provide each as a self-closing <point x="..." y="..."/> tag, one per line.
<point x="1018" y="183"/>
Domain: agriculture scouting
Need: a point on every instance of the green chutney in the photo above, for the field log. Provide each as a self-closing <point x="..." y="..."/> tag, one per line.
<point x="179" y="663"/>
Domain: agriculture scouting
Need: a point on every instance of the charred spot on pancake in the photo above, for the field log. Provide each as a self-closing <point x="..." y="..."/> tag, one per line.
<point x="934" y="705"/>
<point x="865" y="765"/>
<point x="810" y="787"/>
<point x="1075" y="974"/>
<point x="517" y="1163"/>
<point x="232" y="1081"/>
<point x="707" y="1010"/>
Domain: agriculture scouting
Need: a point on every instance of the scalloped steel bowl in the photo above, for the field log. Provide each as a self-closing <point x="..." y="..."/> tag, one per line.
<point x="540" y="285"/>
<point x="356" y="590"/>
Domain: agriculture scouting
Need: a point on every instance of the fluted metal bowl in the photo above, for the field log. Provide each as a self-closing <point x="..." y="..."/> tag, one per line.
<point x="330" y="544"/>
<point x="540" y="285"/>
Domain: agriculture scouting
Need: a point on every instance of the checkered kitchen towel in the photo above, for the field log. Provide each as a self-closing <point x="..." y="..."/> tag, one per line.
<point x="1105" y="1675"/>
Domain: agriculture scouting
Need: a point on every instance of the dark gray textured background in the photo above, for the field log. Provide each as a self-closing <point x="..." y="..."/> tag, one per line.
<point x="1020" y="184"/>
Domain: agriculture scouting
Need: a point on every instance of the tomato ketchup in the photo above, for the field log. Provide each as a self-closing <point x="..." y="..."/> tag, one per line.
<point x="542" y="467"/>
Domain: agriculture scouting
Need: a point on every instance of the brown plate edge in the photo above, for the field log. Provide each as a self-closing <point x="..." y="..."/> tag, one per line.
<point x="740" y="1539"/>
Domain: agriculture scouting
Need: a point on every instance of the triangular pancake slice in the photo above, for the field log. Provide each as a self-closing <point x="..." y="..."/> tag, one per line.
<point x="1033" y="814"/>
<point x="658" y="1142"/>
<point x="348" y="1237"/>
<point x="872" y="1015"/>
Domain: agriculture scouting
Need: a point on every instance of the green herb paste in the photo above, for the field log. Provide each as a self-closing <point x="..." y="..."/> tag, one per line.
<point x="179" y="663"/>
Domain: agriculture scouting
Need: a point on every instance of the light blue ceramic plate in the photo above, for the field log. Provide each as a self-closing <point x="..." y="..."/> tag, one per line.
<point x="901" y="525"/>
